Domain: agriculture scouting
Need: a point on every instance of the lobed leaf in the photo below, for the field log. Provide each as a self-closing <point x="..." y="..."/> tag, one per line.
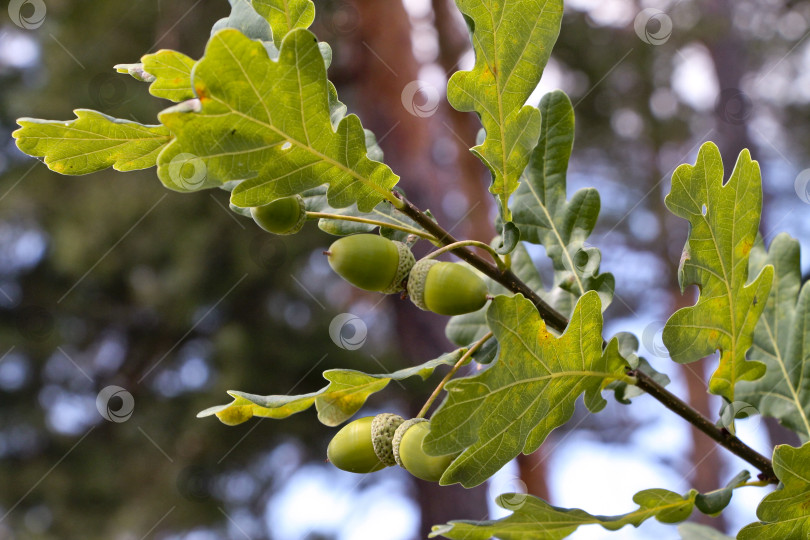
<point x="782" y="340"/>
<point x="91" y="142"/>
<point x="544" y="216"/>
<point x="171" y="74"/>
<point x="785" y="513"/>
<point x="694" y="531"/>
<point x="285" y="16"/>
<point x="268" y="123"/>
<point x="512" y="43"/>
<point x="535" y="519"/>
<point x="338" y="401"/>
<point x="723" y="219"/>
<point x="529" y="391"/>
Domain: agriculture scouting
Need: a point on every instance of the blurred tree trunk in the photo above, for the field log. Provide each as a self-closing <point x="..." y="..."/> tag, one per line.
<point x="383" y="64"/>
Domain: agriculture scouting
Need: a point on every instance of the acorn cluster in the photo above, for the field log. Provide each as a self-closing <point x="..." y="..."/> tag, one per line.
<point x="374" y="263"/>
<point x="375" y="442"/>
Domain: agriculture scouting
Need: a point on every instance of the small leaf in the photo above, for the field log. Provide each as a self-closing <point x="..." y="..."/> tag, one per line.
<point x="694" y="531"/>
<point x="716" y="501"/>
<point x="510" y="236"/>
<point x="136" y="71"/>
<point x="246" y="19"/>
<point x="285" y="15"/>
<point x="785" y="513"/>
<point x="628" y="349"/>
<point x="511" y="51"/>
<point x="723" y="222"/>
<point x="527" y="392"/>
<point x="345" y="394"/>
<point x="269" y="123"/>
<point x="782" y="340"/>
<point x="544" y="216"/>
<point x="535" y="519"/>
<point x="171" y="74"/>
<point x="91" y="142"/>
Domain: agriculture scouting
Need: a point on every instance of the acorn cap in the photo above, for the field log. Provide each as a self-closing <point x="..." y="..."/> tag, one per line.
<point x="406" y="261"/>
<point x="383" y="428"/>
<point x="398" y="434"/>
<point x="416" y="282"/>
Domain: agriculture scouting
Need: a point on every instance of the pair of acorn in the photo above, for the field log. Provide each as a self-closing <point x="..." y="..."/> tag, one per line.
<point x="375" y="442"/>
<point x="374" y="263"/>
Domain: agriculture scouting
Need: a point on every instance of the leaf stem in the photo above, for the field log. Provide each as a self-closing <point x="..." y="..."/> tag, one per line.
<point x="474" y="243"/>
<point x="409" y="230"/>
<point x="461" y="361"/>
<point x="556" y="320"/>
<point x="507" y="278"/>
<point x="721" y="435"/>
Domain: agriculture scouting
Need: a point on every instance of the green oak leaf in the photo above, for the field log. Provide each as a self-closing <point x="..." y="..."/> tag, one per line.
<point x="534" y="519"/>
<point x="694" y="531"/>
<point x="171" y="74"/>
<point x="527" y="392"/>
<point x="512" y="43"/>
<point x="136" y="71"/>
<point x="315" y="201"/>
<point x="628" y="349"/>
<point x="285" y="15"/>
<point x="268" y="123"/>
<point x="723" y="219"/>
<point x="785" y="513"/>
<point x="246" y="19"/>
<point x="782" y="340"/>
<point x="345" y="394"/>
<point x="91" y="142"/>
<point x="544" y="216"/>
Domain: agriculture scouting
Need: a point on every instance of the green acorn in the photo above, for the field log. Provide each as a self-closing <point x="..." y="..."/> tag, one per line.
<point x="371" y="262"/>
<point x="408" y="453"/>
<point x="282" y="216"/>
<point x="351" y="449"/>
<point x="446" y="288"/>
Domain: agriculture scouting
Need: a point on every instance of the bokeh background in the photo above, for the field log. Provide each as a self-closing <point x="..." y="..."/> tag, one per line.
<point x="111" y="280"/>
